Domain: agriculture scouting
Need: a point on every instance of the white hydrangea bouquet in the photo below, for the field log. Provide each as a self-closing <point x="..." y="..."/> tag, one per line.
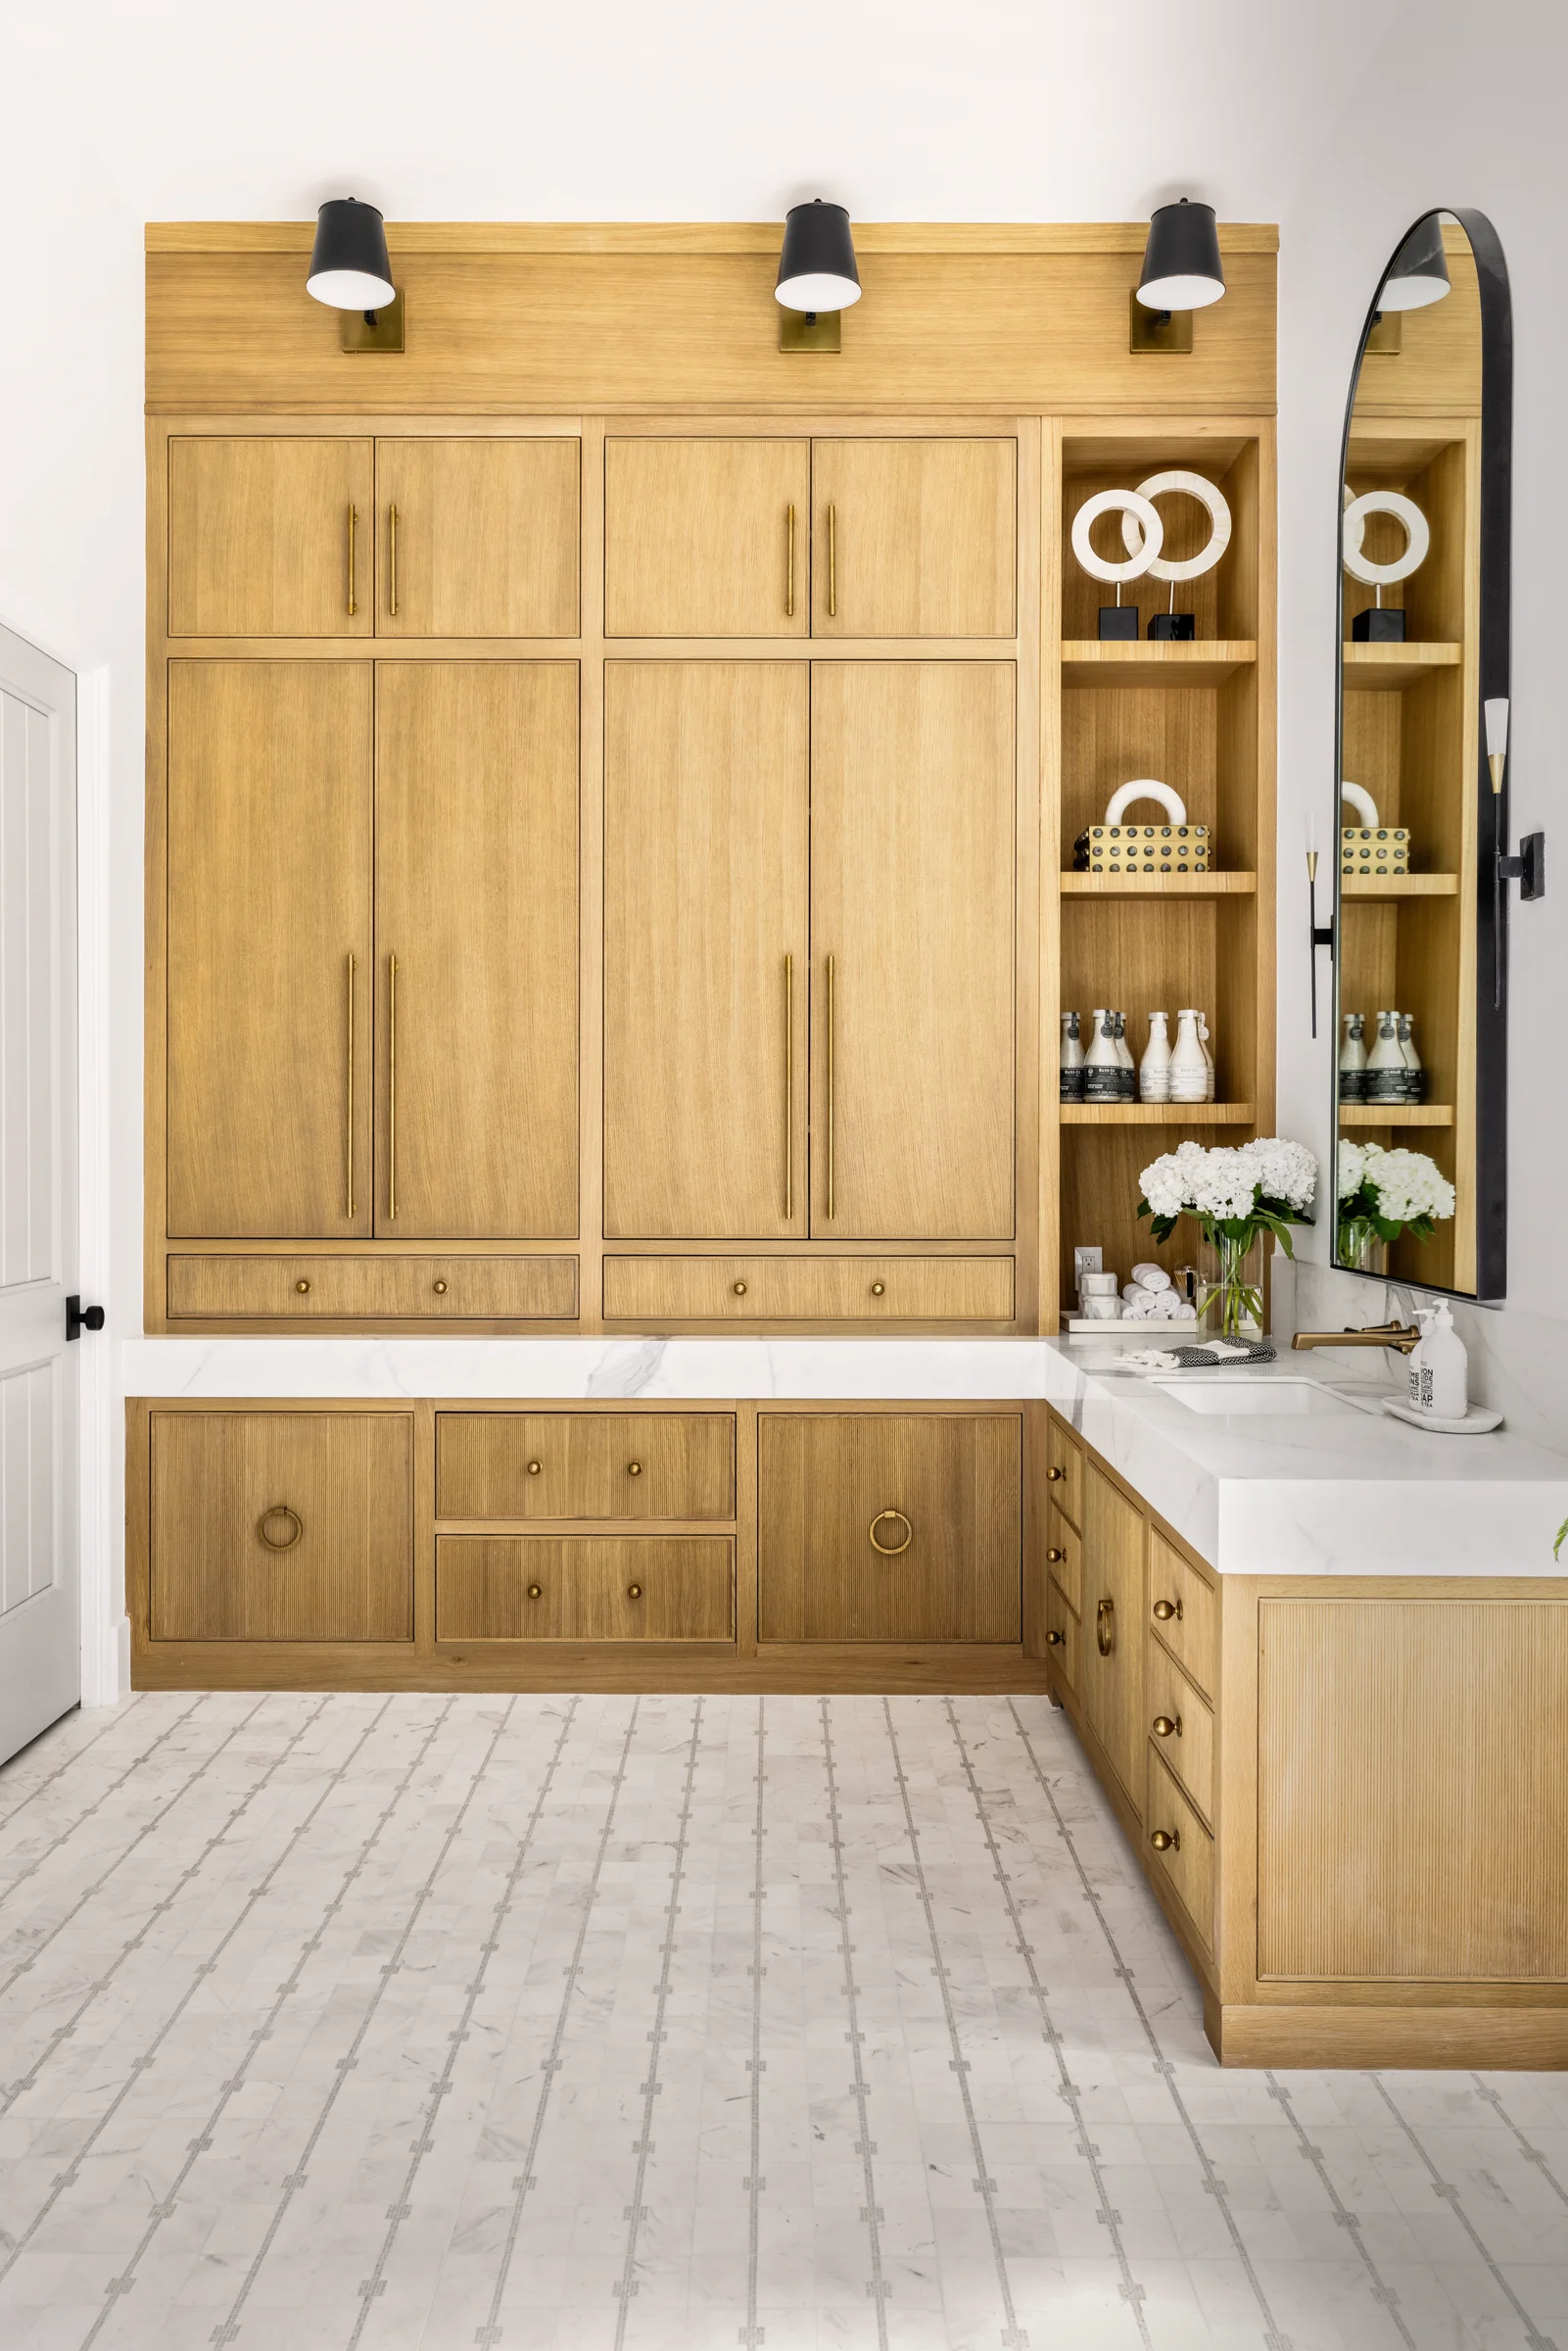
<point x="1237" y="1195"/>
<point x="1380" y="1194"/>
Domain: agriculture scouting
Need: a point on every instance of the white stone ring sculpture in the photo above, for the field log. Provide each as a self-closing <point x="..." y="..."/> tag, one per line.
<point x="1138" y="517"/>
<point x="1206" y="495"/>
<point x="1363" y="803"/>
<point x="1403" y="509"/>
<point x="1146" y="789"/>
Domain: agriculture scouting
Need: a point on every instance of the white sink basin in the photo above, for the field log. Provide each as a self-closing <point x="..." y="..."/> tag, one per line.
<point x="1254" y="1396"/>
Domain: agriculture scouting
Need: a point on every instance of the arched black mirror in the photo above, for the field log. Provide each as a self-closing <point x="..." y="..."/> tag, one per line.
<point x="1421" y="823"/>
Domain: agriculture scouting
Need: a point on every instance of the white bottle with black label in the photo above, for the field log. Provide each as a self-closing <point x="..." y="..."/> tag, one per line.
<point x="1352" y="1060"/>
<point x="1440" y="1368"/>
<point x="1102" y="1068"/>
<point x="1072" y="1059"/>
<point x="1385" y="1064"/>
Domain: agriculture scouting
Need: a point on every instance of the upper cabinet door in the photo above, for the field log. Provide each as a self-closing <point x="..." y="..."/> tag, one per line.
<point x="478" y="537"/>
<point x="705" y="950"/>
<point x="476" y="906"/>
<point x="914" y="538"/>
<point x="706" y="538"/>
<point x="270" y="944"/>
<point x="269" y="538"/>
<point x="912" y="865"/>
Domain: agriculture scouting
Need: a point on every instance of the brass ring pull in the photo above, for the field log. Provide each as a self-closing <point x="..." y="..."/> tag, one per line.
<point x="891" y="1551"/>
<point x="1164" y="1610"/>
<point x="1053" y="1639"/>
<point x="1166" y="1841"/>
<point x="280" y="1510"/>
<point x="1166" y="1724"/>
<point x="634" y="1468"/>
<point x="440" y="1288"/>
<point x="536" y="1591"/>
<point x="633" y="1591"/>
<point x="1056" y="1552"/>
<point x="1105" y="1627"/>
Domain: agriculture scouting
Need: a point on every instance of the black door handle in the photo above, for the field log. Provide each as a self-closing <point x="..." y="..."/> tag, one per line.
<point x="79" y="1317"/>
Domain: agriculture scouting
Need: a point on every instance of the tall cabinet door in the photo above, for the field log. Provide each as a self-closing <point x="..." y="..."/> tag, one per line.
<point x="480" y="536"/>
<point x="912" y="831"/>
<point x="476" y="950"/>
<point x="270" y="943"/>
<point x="269" y="536"/>
<point x="1114" y="1538"/>
<point x="706" y="950"/>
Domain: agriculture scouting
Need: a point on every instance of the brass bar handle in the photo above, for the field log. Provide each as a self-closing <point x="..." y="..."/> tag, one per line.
<point x="1105" y="1627"/>
<point x="832" y="562"/>
<point x="353" y="519"/>
<point x="1164" y="1610"/>
<point x="831" y="976"/>
<point x="348" y="1127"/>
<point x="392" y="1087"/>
<point x="392" y="561"/>
<point x="891" y="1551"/>
<point x="789" y="1082"/>
<point x="280" y="1510"/>
<point x="790" y="568"/>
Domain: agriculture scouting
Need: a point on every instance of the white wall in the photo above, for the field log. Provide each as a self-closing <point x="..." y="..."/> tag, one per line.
<point x="1342" y="121"/>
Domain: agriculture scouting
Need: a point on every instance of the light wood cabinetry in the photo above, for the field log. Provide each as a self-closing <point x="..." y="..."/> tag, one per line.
<point x="390" y="1288"/>
<point x="1184" y="1849"/>
<point x="281" y="1526"/>
<point x="476" y="962"/>
<point x="1184" y="1612"/>
<point x="270" y="911"/>
<point x="585" y="1588"/>
<point x="808" y="1289"/>
<point x="707" y="949"/>
<point x="890" y="1527"/>
<point x="584" y="1466"/>
<point x="1181" y="1724"/>
<point x="706" y="538"/>
<point x="1064" y="1557"/>
<point x="270" y="535"/>
<point x="479" y="536"/>
<point x="1114" y="1538"/>
<point x="914" y="538"/>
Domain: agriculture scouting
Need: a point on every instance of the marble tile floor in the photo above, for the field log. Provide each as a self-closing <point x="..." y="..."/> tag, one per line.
<point x="603" y="2024"/>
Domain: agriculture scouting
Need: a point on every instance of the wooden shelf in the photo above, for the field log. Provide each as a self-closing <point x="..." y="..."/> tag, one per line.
<point x="1399" y="885"/>
<point x="1392" y="1114"/>
<point x="1385" y="668"/>
<point x="1159" y="885"/>
<point x="1085" y="661"/>
<point x="1159" y="1114"/>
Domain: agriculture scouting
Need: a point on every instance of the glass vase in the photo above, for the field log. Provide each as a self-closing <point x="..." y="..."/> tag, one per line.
<point x="1359" y="1249"/>
<point x="1231" y="1294"/>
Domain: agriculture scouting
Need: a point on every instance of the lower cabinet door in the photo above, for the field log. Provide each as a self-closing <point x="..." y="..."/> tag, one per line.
<point x="585" y="1588"/>
<point x="282" y="1526"/>
<point x="1179" y="1846"/>
<point x="1113" y="1627"/>
<point x="889" y="1526"/>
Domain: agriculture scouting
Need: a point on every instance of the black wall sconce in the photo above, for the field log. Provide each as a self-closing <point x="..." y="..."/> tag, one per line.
<point x="350" y="272"/>
<point x="1181" y="274"/>
<point x="818" y="278"/>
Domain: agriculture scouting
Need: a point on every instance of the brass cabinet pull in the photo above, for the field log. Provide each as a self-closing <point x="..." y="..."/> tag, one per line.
<point x="1166" y="1841"/>
<point x="1166" y="1724"/>
<point x="1164" y="1610"/>
<point x="1105" y="1627"/>
<point x="440" y="1288"/>
<point x="1056" y="1552"/>
<point x="280" y="1510"/>
<point x="832" y="562"/>
<point x="878" y="1289"/>
<point x="392" y="561"/>
<point x="302" y="1286"/>
<point x="348" y="1130"/>
<point x="831" y="976"/>
<point x="533" y="1468"/>
<point x="739" y="1288"/>
<point x="392" y="1087"/>
<point x="789" y="1082"/>
<point x="891" y="1551"/>
<point x="1053" y="1639"/>
<point x="634" y="1468"/>
<point x="789" y="569"/>
<point x="633" y="1591"/>
<point x="536" y="1591"/>
<point x="1053" y="1474"/>
<point x="353" y="519"/>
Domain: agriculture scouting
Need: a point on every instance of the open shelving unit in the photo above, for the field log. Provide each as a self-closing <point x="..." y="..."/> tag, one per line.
<point x="1199" y="716"/>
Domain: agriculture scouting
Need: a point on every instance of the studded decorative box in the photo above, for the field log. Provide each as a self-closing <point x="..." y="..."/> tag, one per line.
<point x="1369" y="850"/>
<point x="1142" y="849"/>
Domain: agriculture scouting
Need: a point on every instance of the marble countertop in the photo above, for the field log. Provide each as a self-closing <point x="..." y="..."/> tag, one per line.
<point x="1352" y="1492"/>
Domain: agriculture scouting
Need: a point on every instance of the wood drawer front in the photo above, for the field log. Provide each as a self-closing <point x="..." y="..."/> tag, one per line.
<point x="1064" y="1469"/>
<point x="333" y="1491"/>
<point x="378" y="1289"/>
<point x="1191" y="1632"/>
<point x="585" y="1588"/>
<point x="1188" y="1750"/>
<point x="808" y="1289"/>
<point x="1189" y="1864"/>
<point x="1063" y="1634"/>
<point x="828" y="1479"/>
<point x="581" y="1465"/>
<point x="1064" y="1557"/>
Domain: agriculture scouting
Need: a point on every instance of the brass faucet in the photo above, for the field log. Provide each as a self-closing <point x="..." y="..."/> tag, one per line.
<point x="1403" y="1335"/>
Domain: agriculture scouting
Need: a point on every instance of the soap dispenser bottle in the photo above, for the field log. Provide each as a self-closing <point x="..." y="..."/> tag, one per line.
<point x="1353" y="1059"/>
<point x="1385" y="1064"/>
<point x="1102" y="1070"/>
<point x="1072" y="1059"/>
<point x="1440" y="1366"/>
<point x="1153" y="1070"/>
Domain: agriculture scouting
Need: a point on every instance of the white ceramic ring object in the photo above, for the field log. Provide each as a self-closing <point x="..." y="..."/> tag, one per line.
<point x="1145" y="789"/>
<point x="1138" y="517"/>
<point x="1403" y="509"/>
<point x="1363" y="803"/>
<point x="1207" y="495"/>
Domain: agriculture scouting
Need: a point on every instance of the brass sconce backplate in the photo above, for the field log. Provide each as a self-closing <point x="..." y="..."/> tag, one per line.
<point x="1159" y="330"/>
<point x="1387" y="332"/>
<point x="386" y="334"/>
<point x="808" y="330"/>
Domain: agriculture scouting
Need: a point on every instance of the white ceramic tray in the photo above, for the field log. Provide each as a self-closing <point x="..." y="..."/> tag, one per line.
<point x="1477" y="1421"/>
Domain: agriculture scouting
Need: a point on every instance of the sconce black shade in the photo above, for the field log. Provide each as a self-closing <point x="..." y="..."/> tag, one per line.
<point x="817" y="266"/>
<point x="1420" y="270"/>
<point x="348" y="267"/>
<point x="1181" y="269"/>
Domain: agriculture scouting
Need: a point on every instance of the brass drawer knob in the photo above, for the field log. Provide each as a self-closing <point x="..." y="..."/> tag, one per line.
<point x="440" y="1288"/>
<point x="878" y="1289"/>
<point x="280" y="1510"/>
<point x="891" y="1551"/>
<point x="1055" y="1552"/>
<point x="1164" y="1610"/>
<point x="633" y="1591"/>
<point x="1165" y="1725"/>
<point x="634" y="1468"/>
<point x="1105" y="1627"/>
<point x="536" y="1591"/>
<point x="739" y="1288"/>
<point x="1053" y="1639"/>
<point x="533" y="1468"/>
<point x="1166" y="1841"/>
<point x="1054" y="1471"/>
<point x="301" y="1286"/>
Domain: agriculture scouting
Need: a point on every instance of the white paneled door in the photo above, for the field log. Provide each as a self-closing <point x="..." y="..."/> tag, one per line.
<point x="40" y="1650"/>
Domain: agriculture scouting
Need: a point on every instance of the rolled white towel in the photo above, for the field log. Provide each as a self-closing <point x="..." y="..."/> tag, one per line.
<point x="1153" y="1278"/>
<point x="1140" y="1306"/>
<point x="1171" y="1306"/>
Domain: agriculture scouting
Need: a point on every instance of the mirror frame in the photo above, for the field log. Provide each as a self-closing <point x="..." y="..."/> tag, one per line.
<point x="1492" y="829"/>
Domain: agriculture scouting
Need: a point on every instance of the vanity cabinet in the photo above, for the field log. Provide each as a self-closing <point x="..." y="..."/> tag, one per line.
<point x="1114" y="1544"/>
<point x="585" y="1588"/>
<point x="585" y="1465"/>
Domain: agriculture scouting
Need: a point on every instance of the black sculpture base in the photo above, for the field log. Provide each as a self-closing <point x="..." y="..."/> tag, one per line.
<point x="1379" y="624"/>
<point x="1173" y="628"/>
<point x="1118" y="624"/>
